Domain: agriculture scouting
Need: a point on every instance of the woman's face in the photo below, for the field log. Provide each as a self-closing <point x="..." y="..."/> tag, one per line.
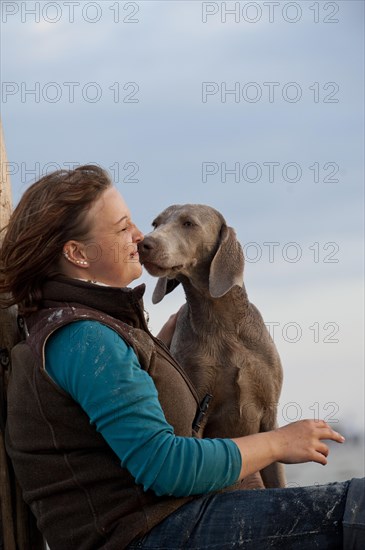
<point x="109" y="253"/>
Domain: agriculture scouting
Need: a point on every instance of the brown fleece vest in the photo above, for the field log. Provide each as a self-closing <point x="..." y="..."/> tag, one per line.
<point x="81" y="496"/>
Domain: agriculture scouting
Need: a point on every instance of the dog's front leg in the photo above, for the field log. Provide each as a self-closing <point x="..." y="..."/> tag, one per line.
<point x="273" y="476"/>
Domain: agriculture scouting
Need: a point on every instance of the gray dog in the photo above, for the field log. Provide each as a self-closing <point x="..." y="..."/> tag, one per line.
<point x="220" y="340"/>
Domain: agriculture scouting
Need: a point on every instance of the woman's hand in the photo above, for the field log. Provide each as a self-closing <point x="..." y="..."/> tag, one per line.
<point x="167" y="331"/>
<point x="302" y="441"/>
<point x="297" y="442"/>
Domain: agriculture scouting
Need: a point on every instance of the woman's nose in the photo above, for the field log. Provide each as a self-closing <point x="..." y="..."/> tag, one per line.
<point x="138" y="236"/>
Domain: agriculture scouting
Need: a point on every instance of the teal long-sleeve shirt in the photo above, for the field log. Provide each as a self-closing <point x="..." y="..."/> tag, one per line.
<point x="101" y="372"/>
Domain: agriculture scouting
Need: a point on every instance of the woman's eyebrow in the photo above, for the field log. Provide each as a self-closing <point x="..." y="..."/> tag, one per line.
<point x="121" y="219"/>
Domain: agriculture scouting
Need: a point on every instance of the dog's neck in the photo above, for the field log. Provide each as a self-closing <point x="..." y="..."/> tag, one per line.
<point x="216" y="311"/>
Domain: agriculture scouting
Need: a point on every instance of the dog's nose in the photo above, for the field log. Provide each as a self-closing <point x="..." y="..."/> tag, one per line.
<point x="147" y="244"/>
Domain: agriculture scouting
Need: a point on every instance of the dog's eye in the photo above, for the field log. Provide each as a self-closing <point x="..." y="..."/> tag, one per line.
<point x="188" y="224"/>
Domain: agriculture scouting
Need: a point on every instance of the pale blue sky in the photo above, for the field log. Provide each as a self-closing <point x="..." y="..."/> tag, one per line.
<point x="169" y="132"/>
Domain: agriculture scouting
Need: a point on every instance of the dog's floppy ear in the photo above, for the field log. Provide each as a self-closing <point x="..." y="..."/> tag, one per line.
<point x="226" y="269"/>
<point x="164" y="286"/>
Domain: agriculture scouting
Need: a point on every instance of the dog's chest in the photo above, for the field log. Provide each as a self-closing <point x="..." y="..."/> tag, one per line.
<point x="210" y="361"/>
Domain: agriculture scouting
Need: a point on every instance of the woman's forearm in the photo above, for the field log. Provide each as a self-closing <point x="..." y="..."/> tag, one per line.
<point x="257" y="452"/>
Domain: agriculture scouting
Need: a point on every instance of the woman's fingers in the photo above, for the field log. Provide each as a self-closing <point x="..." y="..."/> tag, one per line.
<point x="323" y="449"/>
<point x="319" y="452"/>
<point x="326" y="432"/>
<point x="320" y="458"/>
<point x="322" y="425"/>
<point x="337" y="437"/>
<point x="303" y="441"/>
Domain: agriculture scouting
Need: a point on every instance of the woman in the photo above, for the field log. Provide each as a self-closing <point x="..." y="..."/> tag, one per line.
<point x="100" y="416"/>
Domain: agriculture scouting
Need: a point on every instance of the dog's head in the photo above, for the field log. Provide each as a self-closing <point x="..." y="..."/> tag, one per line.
<point x="188" y="239"/>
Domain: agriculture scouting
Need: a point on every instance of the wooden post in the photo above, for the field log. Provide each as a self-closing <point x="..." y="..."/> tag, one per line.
<point x="5" y="189"/>
<point x="8" y="337"/>
<point x="18" y="524"/>
<point x="8" y="326"/>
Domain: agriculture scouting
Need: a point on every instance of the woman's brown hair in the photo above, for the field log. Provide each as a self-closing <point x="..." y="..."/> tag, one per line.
<point x="51" y="212"/>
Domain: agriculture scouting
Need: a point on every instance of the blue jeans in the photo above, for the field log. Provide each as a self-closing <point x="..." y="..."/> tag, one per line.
<point x="328" y="516"/>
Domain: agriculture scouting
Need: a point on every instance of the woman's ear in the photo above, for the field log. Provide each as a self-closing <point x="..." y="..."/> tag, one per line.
<point x="226" y="269"/>
<point x="164" y="286"/>
<point x="75" y="253"/>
